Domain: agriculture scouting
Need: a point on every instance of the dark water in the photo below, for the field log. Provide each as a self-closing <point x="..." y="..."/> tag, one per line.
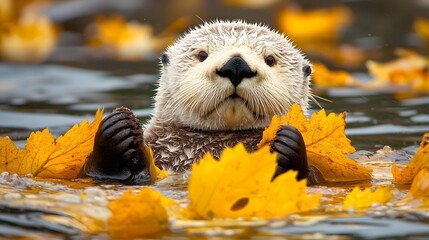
<point x="71" y="85"/>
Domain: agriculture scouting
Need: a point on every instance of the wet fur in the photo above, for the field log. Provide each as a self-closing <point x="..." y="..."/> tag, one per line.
<point x="194" y="112"/>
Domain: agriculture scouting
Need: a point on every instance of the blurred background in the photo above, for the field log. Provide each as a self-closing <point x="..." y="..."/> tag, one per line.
<point x="63" y="59"/>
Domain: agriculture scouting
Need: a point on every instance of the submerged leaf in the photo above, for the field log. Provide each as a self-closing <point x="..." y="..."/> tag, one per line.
<point x="45" y="157"/>
<point x="239" y="185"/>
<point x="139" y="214"/>
<point x="359" y="200"/>
<point x="417" y="163"/>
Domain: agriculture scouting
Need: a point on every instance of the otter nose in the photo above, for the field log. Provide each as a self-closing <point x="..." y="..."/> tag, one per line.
<point x="236" y="69"/>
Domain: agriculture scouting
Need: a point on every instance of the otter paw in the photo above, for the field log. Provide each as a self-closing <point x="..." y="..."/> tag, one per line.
<point x="118" y="152"/>
<point x="291" y="152"/>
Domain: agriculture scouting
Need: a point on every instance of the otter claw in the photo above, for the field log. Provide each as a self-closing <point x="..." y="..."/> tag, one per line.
<point x="118" y="152"/>
<point x="291" y="152"/>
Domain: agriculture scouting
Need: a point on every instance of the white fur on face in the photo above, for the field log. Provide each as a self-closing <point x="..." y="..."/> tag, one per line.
<point x="191" y="94"/>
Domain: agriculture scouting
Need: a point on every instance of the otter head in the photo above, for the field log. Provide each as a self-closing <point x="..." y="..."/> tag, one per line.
<point x="230" y="76"/>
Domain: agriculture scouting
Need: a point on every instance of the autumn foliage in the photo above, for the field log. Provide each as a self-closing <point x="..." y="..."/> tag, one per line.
<point x="45" y="157"/>
<point x="361" y="199"/>
<point x="326" y="143"/>
<point x="239" y="185"/>
<point x="419" y="162"/>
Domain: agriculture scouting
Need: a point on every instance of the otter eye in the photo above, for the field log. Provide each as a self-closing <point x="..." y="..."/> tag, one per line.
<point x="165" y="59"/>
<point x="307" y="70"/>
<point x="202" y="55"/>
<point x="270" y="61"/>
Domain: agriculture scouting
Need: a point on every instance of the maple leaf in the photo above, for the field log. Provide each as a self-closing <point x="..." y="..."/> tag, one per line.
<point x="324" y="77"/>
<point x="326" y="143"/>
<point x="419" y="189"/>
<point x="417" y="163"/>
<point x="270" y="132"/>
<point x="45" y="157"/>
<point x="239" y="185"/>
<point x="359" y="200"/>
<point x="139" y="214"/>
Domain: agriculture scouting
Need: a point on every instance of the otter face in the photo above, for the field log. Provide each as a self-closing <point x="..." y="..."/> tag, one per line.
<point x="231" y="76"/>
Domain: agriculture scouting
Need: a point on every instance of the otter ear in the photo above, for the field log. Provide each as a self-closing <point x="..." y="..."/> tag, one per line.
<point x="307" y="70"/>
<point x="165" y="59"/>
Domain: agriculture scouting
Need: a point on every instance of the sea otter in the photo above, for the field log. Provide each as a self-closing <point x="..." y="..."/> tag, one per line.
<point x="220" y="84"/>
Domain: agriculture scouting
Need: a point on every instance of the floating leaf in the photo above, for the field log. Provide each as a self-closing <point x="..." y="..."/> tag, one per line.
<point x="329" y="21"/>
<point x="417" y="163"/>
<point x="359" y="200"/>
<point x="45" y="157"/>
<point x="409" y="70"/>
<point x="419" y="189"/>
<point x="139" y="214"/>
<point x="239" y="186"/>
<point x="324" y="77"/>
<point x="326" y="143"/>
<point x="30" y="39"/>
<point x="130" y="40"/>
<point x="421" y="27"/>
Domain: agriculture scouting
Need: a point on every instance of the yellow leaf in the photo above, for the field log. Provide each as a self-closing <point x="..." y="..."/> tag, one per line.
<point x="270" y="132"/>
<point x="326" y="143"/>
<point x="139" y="214"/>
<point x="130" y="40"/>
<point x="417" y="163"/>
<point x="329" y="22"/>
<point x="419" y="189"/>
<point x="239" y="186"/>
<point x="409" y="70"/>
<point x="324" y="77"/>
<point x="30" y="39"/>
<point x="156" y="174"/>
<point x="359" y="200"/>
<point x="421" y="27"/>
<point x="45" y="157"/>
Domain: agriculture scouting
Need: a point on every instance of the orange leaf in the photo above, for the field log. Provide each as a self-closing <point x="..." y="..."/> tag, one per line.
<point x="156" y="174"/>
<point x="419" y="189"/>
<point x="421" y="27"/>
<point x="417" y="163"/>
<point x="409" y="70"/>
<point x="326" y="143"/>
<point x="30" y="39"/>
<point x="359" y="200"/>
<point x="270" y="132"/>
<point x="329" y="22"/>
<point x="139" y="214"/>
<point x="45" y="157"/>
<point x="324" y="77"/>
